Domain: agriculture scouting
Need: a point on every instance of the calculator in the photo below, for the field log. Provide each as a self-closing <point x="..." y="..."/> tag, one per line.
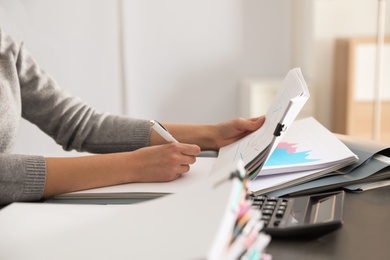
<point x="301" y="217"/>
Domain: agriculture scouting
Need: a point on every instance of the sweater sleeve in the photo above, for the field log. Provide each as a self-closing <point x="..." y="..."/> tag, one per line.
<point x="69" y="121"/>
<point x="22" y="178"/>
<point x="28" y="91"/>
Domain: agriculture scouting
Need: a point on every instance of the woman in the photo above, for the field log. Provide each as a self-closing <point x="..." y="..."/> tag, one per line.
<point x="127" y="149"/>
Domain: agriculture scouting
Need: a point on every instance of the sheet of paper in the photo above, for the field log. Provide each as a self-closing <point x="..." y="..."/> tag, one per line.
<point x="254" y="148"/>
<point x="198" y="171"/>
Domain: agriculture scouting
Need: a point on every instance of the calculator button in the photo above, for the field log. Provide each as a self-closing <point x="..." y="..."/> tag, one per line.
<point x="270" y="207"/>
<point x="257" y="203"/>
<point x="259" y="198"/>
<point x="270" y="202"/>
<point x="276" y="223"/>
<point x="279" y="213"/>
<point x="266" y="220"/>
<point x="283" y="203"/>
<point x="265" y="217"/>
<point x="282" y="208"/>
<point x="267" y="212"/>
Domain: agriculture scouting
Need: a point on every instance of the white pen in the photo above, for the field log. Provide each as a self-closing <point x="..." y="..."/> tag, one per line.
<point x="162" y="131"/>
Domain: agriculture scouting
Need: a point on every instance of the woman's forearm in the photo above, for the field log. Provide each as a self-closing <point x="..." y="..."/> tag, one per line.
<point x="80" y="173"/>
<point x="158" y="163"/>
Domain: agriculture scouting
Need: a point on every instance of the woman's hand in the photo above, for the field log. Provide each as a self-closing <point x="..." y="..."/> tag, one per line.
<point x="233" y="130"/>
<point x="163" y="162"/>
<point x="211" y="137"/>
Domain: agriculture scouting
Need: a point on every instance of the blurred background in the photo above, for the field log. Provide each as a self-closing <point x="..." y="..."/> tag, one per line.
<point x="203" y="61"/>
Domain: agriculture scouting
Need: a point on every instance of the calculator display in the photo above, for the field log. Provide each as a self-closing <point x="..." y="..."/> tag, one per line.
<point x="323" y="210"/>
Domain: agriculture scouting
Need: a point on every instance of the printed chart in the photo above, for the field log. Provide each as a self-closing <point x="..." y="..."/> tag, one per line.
<point x="288" y="153"/>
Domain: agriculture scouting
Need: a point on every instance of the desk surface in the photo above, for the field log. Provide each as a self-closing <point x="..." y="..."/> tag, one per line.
<point x="364" y="235"/>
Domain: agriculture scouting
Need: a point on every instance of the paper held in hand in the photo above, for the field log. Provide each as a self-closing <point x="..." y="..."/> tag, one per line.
<point x="255" y="148"/>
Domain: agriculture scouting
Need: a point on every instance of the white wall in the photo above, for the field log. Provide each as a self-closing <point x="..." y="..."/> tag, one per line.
<point x="77" y="42"/>
<point x="184" y="59"/>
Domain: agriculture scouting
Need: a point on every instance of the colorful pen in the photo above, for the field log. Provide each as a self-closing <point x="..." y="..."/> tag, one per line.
<point x="162" y="131"/>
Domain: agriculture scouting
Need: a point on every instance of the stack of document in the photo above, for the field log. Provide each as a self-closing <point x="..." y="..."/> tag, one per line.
<point x="306" y="152"/>
<point x="372" y="170"/>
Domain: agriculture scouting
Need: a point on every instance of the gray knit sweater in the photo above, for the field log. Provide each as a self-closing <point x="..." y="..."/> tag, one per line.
<point x="27" y="91"/>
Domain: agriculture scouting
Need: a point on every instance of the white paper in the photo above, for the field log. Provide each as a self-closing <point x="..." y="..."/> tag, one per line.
<point x="200" y="170"/>
<point x="288" y="102"/>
